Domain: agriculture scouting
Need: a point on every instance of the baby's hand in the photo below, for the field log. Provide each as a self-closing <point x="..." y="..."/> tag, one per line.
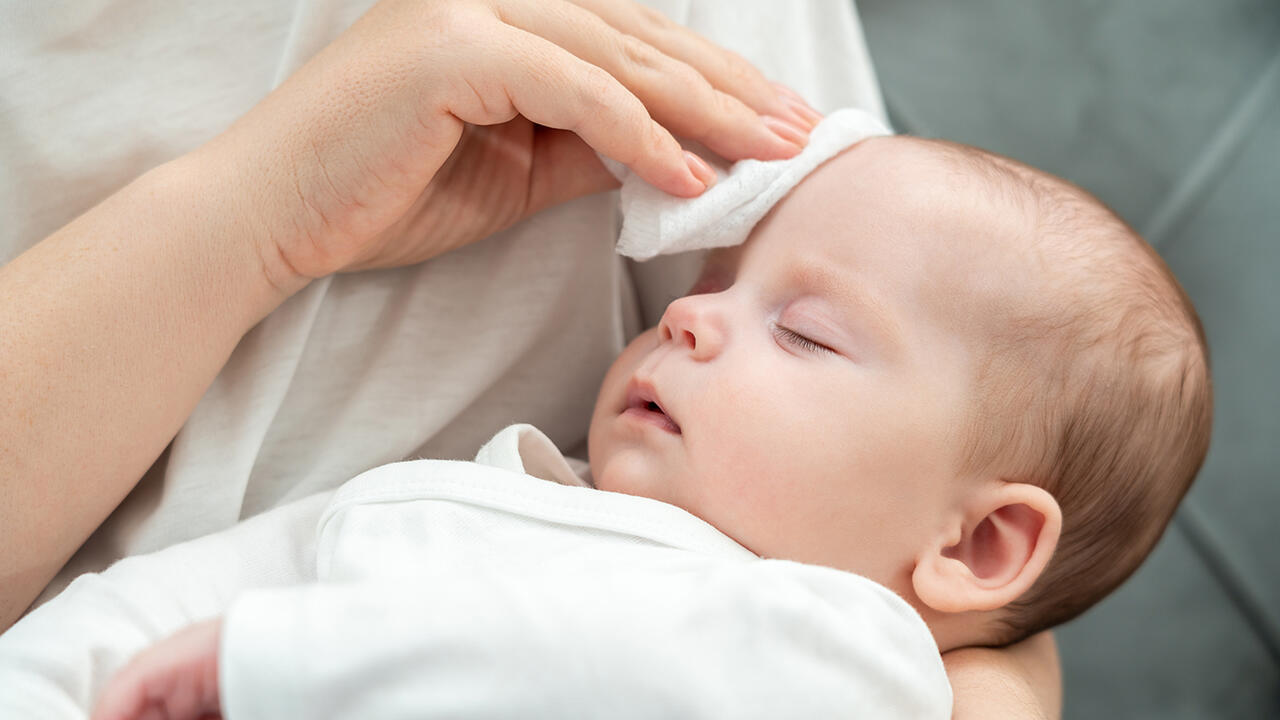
<point x="177" y="678"/>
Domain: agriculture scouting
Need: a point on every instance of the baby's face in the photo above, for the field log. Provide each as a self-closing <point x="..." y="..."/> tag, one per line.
<point x="812" y="387"/>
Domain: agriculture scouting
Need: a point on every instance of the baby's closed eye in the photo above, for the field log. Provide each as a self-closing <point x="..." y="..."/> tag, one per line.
<point x="788" y="335"/>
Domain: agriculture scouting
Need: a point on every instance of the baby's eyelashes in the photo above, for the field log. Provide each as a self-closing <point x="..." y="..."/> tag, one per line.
<point x="791" y="336"/>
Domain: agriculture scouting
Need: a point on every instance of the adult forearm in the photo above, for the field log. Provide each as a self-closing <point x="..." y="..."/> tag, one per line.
<point x="1020" y="681"/>
<point x="110" y="331"/>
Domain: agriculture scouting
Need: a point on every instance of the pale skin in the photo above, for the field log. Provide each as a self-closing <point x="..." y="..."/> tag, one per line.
<point x="162" y="279"/>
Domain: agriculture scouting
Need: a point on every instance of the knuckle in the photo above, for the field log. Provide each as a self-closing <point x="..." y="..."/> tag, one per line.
<point x="717" y="118"/>
<point x="598" y="83"/>
<point x="682" y="80"/>
<point x="638" y="53"/>
<point x="675" y="77"/>
<point x="732" y="110"/>
<point x="657" y="140"/>
<point x="696" y="94"/>
<point x="687" y="79"/>
<point x="457" y="23"/>
<point x="597" y="90"/>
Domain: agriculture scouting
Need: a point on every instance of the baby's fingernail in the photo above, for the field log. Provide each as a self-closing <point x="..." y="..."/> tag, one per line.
<point x="700" y="169"/>
<point x="787" y="131"/>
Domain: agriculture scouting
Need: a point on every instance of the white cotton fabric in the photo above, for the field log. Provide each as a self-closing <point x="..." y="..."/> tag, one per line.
<point x="437" y="588"/>
<point x="655" y="223"/>
<point x="361" y="369"/>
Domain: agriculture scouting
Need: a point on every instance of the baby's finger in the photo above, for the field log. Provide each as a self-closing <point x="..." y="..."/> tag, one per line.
<point x="726" y="70"/>
<point x="176" y="678"/>
<point x="550" y="86"/>
<point x="119" y="701"/>
<point x="677" y="95"/>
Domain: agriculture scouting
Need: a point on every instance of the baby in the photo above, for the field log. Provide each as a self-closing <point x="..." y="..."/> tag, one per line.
<point x="929" y="367"/>
<point x="933" y="366"/>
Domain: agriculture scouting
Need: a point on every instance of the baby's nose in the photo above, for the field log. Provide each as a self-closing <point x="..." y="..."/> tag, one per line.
<point x="696" y="323"/>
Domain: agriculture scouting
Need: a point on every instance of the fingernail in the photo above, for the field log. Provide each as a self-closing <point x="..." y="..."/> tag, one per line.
<point x="810" y="116"/>
<point x="700" y="169"/>
<point x="786" y="131"/>
<point x="786" y="91"/>
<point x="792" y="115"/>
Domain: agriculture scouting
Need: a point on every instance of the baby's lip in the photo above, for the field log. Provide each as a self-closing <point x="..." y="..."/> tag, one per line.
<point x="643" y="396"/>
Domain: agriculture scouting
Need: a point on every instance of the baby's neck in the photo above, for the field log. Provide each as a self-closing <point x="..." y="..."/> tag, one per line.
<point x="952" y="631"/>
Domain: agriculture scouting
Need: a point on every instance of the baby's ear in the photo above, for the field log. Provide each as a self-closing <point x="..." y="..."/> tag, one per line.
<point x="1006" y="536"/>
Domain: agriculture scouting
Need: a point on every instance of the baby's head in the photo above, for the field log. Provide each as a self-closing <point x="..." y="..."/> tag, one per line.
<point x="935" y="367"/>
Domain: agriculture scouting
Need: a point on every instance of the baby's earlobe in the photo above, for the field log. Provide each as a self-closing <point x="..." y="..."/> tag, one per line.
<point x="1005" y="544"/>
<point x="943" y="583"/>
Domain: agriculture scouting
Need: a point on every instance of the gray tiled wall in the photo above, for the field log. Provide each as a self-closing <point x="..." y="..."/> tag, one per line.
<point x="1168" y="110"/>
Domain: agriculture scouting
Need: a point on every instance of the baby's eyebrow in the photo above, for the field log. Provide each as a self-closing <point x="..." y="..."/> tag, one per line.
<point x="860" y="307"/>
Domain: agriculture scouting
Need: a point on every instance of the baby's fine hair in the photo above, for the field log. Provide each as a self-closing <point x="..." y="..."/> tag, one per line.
<point x="1100" y="394"/>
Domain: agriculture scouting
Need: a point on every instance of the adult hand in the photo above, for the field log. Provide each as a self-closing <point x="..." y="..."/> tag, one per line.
<point x="177" y="678"/>
<point x="1023" y="680"/>
<point x="411" y="134"/>
<point x="414" y="132"/>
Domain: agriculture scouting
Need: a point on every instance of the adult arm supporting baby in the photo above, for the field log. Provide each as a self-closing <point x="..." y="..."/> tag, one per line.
<point x="758" y="639"/>
<point x="1022" y="681"/>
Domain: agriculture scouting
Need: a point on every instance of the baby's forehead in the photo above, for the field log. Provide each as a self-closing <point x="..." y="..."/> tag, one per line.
<point x="936" y="223"/>
<point x="946" y="201"/>
<point x="932" y="178"/>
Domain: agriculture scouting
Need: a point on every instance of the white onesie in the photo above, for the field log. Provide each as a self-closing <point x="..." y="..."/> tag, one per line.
<point x="500" y="588"/>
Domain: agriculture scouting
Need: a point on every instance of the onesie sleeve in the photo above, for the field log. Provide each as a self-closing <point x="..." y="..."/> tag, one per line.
<point x="755" y="639"/>
<point x="55" y="661"/>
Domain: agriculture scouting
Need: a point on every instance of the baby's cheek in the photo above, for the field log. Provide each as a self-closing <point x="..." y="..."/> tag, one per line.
<point x="734" y="462"/>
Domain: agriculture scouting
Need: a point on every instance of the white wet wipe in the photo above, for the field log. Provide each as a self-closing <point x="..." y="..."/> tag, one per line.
<point x="655" y="223"/>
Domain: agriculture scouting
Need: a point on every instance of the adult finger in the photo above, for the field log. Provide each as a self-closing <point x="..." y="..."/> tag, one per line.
<point x="676" y="94"/>
<point x="726" y="70"/>
<point x="517" y="71"/>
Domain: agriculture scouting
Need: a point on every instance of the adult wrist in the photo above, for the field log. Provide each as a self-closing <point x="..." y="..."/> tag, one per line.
<point x="238" y="223"/>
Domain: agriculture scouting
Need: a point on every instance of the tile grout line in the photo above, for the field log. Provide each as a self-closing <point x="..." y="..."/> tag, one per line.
<point x="1209" y="164"/>
<point x="1204" y="543"/>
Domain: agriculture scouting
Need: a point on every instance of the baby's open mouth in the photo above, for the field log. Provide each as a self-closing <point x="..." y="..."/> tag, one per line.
<point x="642" y="404"/>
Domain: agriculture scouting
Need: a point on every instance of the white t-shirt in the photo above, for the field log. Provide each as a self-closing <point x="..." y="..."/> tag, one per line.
<point x="362" y="369"/>
<point x="501" y="588"/>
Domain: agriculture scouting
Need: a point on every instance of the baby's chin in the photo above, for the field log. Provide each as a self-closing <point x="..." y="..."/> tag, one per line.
<point x="628" y="472"/>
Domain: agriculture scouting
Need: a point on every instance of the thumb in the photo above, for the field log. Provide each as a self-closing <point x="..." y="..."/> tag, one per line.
<point x="564" y="168"/>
